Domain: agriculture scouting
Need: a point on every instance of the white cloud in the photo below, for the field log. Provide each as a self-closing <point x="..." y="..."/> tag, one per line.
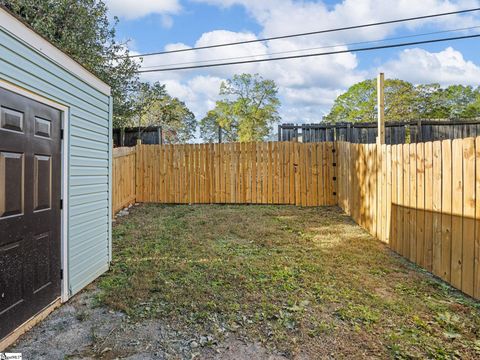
<point x="309" y="86"/>
<point x="167" y="21"/>
<point x="446" y="67"/>
<point x="312" y="96"/>
<point x="134" y="9"/>
<point x="311" y="82"/>
<point x="199" y="93"/>
<point x="289" y="16"/>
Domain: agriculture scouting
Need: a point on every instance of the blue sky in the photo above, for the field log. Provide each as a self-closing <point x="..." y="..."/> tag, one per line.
<point x="307" y="87"/>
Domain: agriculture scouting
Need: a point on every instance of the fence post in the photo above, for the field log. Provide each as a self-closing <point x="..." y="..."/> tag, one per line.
<point x="381" y="109"/>
<point x="160" y="135"/>
<point x="135" y="154"/>
<point x="138" y="178"/>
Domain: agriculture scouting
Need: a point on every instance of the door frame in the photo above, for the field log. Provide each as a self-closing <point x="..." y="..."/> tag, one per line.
<point x="65" y="117"/>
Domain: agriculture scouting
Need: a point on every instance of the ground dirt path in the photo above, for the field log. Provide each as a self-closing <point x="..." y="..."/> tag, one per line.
<point x="83" y="330"/>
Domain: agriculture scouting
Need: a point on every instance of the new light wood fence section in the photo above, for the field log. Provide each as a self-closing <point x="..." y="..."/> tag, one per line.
<point x="123" y="182"/>
<point x="421" y="200"/>
<point x="237" y="173"/>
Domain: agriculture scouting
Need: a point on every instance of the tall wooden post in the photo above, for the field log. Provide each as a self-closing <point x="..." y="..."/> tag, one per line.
<point x="122" y="137"/>
<point x="381" y="108"/>
<point x="160" y="135"/>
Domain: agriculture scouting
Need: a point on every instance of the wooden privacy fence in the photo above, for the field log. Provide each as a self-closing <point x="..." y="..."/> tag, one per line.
<point x="123" y="173"/>
<point x="395" y="132"/>
<point x="237" y="173"/>
<point x="421" y="200"/>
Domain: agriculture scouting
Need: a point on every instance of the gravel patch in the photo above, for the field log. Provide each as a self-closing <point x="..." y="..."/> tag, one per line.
<point x="81" y="329"/>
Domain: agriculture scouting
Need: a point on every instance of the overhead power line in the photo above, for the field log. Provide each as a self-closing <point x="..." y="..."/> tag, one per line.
<point x="313" y="48"/>
<point x="309" y="33"/>
<point x="314" y="55"/>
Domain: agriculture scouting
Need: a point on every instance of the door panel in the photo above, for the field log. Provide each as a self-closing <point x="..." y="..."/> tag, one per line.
<point x="30" y="190"/>
<point x="11" y="120"/>
<point x="11" y="279"/>
<point x="43" y="127"/>
<point x="11" y="184"/>
<point x="42" y="184"/>
<point x="41" y="259"/>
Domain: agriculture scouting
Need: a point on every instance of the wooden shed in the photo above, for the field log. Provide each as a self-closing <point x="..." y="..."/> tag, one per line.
<point x="55" y="176"/>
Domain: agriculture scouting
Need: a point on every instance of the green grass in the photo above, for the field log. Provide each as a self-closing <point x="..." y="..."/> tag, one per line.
<point x="295" y="279"/>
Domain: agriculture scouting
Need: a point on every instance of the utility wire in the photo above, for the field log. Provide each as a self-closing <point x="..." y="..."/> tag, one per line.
<point x="309" y="33"/>
<point x="314" y="55"/>
<point x="314" y="48"/>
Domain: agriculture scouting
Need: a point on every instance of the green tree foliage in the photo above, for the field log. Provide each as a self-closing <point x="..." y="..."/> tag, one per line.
<point x="82" y="30"/>
<point x="158" y="108"/>
<point x="247" y="111"/>
<point x="405" y="101"/>
<point x="455" y="101"/>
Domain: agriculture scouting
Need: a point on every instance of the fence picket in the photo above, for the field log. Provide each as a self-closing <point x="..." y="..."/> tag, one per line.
<point x="400" y="199"/>
<point x="437" y="208"/>
<point x="413" y="201"/>
<point x="388" y="194"/>
<point x="428" y="206"/>
<point x="394" y="204"/>
<point x="420" y="201"/>
<point x="468" y="245"/>
<point x="457" y="213"/>
<point x="476" y="290"/>
<point x="446" y="209"/>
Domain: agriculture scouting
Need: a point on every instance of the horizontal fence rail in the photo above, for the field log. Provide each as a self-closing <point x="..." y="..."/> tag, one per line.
<point x="237" y="173"/>
<point x="421" y="200"/>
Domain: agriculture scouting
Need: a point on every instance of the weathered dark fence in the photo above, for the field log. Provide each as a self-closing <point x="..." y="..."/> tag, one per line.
<point x="395" y="132"/>
<point x="128" y="137"/>
<point x="308" y="132"/>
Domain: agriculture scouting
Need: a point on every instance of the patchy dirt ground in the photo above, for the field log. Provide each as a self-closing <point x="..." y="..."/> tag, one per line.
<point x="82" y="329"/>
<point x="256" y="282"/>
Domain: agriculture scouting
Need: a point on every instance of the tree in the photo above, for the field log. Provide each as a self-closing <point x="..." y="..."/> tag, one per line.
<point x="455" y="102"/>
<point x="82" y="30"/>
<point x="404" y="101"/>
<point x="429" y="103"/>
<point x="473" y="109"/>
<point x="247" y="111"/>
<point x="143" y="99"/>
<point x="177" y="121"/>
<point x="358" y="104"/>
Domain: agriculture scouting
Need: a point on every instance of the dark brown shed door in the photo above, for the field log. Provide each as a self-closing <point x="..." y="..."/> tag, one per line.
<point x="30" y="191"/>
